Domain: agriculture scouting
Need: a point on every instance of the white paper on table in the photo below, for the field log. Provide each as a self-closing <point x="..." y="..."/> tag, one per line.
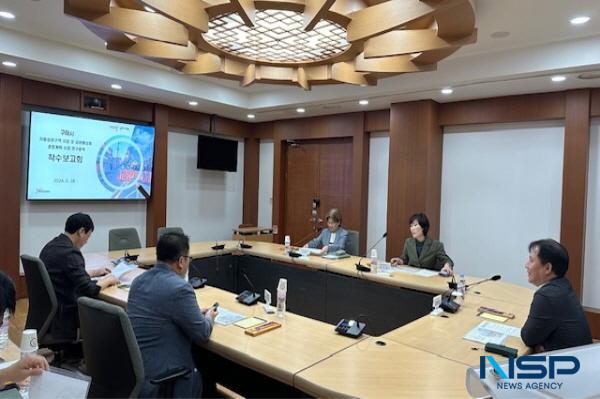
<point x="94" y="261"/>
<point x="59" y="384"/>
<point x="226" y="317"/>
<point x="426" y="273"/>
<point x="502" y="328"/>
<point x="313" y="251"/>
<point x="123" y="268"/>
<point x="487" y="332"/>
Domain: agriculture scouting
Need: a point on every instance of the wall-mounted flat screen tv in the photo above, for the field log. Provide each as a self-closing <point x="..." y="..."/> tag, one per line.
<point x="217" y="154"/>
<point x="80" y="158"/>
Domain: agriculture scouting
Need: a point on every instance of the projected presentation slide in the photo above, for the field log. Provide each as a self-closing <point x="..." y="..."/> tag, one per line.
<point x="73" y="158"/>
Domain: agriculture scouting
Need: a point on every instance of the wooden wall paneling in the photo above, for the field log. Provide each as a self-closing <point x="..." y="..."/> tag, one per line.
<point x="231" y="127"/>
<point x="377" y="121"/>
<point x="126" y="108"/>
<point x="10" y="177"/>
<point x="575" y="167"/>
<point x="279" y="161"/>
<point x="156" y="207"/>
<point x="360" y="181"/>
<point x="188" y="120"/>
<point x="263" y="130"/>
<point x="50" y="95"/>
<point x="414" y="181"/>
<point x="251" y="177"/>
<point x="595" y="106"/>
<point x="521" y="108"/>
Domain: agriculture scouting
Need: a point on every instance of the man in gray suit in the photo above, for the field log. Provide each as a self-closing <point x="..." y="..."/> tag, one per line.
<point x="556" y="319"/>
<point x="166" y="318"/>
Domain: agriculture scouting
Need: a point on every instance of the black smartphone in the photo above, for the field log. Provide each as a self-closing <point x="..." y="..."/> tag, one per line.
<point x="215" y="305"/>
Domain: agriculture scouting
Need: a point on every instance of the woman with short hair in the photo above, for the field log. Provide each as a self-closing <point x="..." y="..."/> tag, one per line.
<point x="333" y="238"/>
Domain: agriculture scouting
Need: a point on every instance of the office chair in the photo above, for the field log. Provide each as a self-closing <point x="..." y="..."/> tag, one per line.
<point x="43" y="306"/>
<point x="123" y="239"/>
<point x="164" y="230"/>
<point x="112" y="356"/>
<point x="352" y="243"/>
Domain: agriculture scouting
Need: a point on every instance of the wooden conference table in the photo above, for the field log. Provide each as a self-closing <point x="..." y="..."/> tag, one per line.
<point x="427" y="357"/>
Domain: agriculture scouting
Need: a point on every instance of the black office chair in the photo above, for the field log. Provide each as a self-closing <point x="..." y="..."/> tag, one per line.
<point x="352" y="243"/>
<point x="123" y="239"/>
<point x="112" y="355"/>
<point x="43" y="306"/>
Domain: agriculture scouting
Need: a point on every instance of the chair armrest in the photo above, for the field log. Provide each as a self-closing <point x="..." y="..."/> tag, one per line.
<point x="171" y="375"/>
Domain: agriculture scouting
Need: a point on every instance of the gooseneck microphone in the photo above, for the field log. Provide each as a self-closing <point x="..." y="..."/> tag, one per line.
<point x="493" y="278"/>
<point x="362" y="268"/>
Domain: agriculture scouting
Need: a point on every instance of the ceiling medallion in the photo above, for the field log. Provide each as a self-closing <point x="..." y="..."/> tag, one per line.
<point x="297" y="42"/>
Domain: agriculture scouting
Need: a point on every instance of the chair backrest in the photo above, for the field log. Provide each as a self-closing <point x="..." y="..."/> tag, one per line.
<point x="42" y="298"/>
<point x="164" y="230"/>
<point x="125" y="238"/>
<point x="352" y="243"/>
<point x="112" y="356"/>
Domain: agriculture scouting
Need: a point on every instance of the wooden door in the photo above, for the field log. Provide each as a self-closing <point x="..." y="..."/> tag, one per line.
<point x="316" y="169"/>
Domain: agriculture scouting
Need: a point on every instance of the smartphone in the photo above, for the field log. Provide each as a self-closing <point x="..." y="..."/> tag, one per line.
<point x="215" y="306"/>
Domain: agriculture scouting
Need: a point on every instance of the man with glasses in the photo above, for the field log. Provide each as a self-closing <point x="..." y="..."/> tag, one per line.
<point x="166" y="318"/>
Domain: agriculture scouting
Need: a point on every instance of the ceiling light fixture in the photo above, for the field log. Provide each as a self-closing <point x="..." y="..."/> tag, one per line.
<point x="7" y="15"/>
<point x="364" y="102"/>
<point x="9" y="64"/>
<point x="558" y="78"/>
<point x="447" y="90"/>
<point x="251" y="116"/>
<point x="300" y="110"/>
<point x="193" y="103"/>
<point x="579" y="20"/>
<point x="284" y="41"/>
<point x="116" y="86"/>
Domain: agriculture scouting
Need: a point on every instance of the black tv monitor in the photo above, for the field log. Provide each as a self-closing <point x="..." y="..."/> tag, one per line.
<point x="217" y="154"/>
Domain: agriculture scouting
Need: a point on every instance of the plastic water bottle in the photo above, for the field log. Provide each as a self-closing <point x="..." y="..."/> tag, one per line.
<point x="29" y="346"/>
<point x="461" y="287"/>
<point x="374" y="260"/>
<point x="281" y="294"/>
<point x="288" y="242"/>
<point x="4" y="329"/>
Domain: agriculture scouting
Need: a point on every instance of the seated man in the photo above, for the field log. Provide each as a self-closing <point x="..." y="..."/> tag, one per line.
<point x="556" y="319"/>
<point x="29" y="365"/>
<point x="166" y="318"/>
<point x="66" y="267"/>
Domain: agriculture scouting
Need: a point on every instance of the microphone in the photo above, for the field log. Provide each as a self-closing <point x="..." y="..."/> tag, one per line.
<point x="362" y="268"/>
<point x="493" y="278"/>
<point x="196" y="281"/>
<point x="217" y="246"/>
<point x="248" y="280"/>
<point x="248" y="297"/>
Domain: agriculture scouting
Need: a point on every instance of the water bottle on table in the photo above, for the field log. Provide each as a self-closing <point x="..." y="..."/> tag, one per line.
<point x="281" y="296"/>
<point x="29" y="346"/>
<point x="4" y="329"/>
<point x="373" y="260"/>
<point x="288" y="243"/>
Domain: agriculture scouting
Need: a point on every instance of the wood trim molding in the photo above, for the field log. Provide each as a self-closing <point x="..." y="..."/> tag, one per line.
<point x="360" y="181"/>
<point x="156" y="207"/>
<point x="415" y="169"/>
<point x="595" y="107"/>
<point x="574" y="188"/>
<point x="50" y="95"/>
<point x="521" y="108"/>
<point x="279" y="162"/>
<point x="251" y="178"/>
<point x="189" y="120"/>
<point x="10" y="177"/>
<point x="377" y="121"/>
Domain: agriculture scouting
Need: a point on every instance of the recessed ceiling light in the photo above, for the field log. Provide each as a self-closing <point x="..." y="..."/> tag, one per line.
<point x="558" y="78"/>
<point x="579" y="20"/>
<point x="152" y="10"/>
<point x="251" y="116"/>
<point x="193" y="103"/>
<point x="9" y="64"/>
<point x="300" y="110"/>
<point x="116" y="86"/>
<point x="500" y="34"/>
<point x="7" y="15"/>
<point x="447" y="90"/>
<point x="364" y="102"/>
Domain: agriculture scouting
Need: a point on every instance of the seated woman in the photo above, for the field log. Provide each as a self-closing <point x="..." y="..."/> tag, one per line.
<point x="421" y="251"/>
<point x="332" y="238"/>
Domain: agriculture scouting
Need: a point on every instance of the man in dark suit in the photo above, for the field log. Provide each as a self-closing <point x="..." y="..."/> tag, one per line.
<point x="556" y="319"/>
<point x="66" y="267"/>
<point x="166" y="318"/>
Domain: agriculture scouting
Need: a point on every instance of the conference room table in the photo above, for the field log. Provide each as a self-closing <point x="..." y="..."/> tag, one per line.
<point x="426" y="357"/>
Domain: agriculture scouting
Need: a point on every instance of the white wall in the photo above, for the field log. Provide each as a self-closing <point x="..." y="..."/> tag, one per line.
<point x="42" y="221"/>
<point x="379" y="149"/>
<point x="501" y="189"/>
<point x="591" y="271"/>
<point x="265" y="183"/>
<point x="207" y="204"/>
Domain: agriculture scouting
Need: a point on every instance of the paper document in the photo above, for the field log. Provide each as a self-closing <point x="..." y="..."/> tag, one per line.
<point x="312" y="251"/>
<point x="250" y="322"/>
<point x="488" y="331"/>
<point x="94" y="261"/>
<point x="59" y="384"/>
<point x="227" y="317"/>
<point x="416" y="271"/>
<point x="123" y="268"/>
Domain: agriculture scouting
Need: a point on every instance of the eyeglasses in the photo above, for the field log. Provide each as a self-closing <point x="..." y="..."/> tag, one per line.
<point x="187" y="257"/>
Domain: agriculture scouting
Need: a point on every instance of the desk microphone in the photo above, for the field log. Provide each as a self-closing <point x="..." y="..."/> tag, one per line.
<point x="217" y="246"/>
<point x="196" y="281"/>
<point x="362" y="268"/>
<point x="248" y="297"/>
<point x="493" y="278"/>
